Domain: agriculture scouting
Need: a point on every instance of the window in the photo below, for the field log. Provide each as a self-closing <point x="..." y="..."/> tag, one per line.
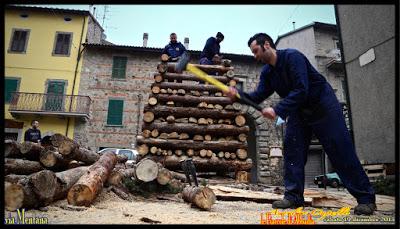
<point x="11" y="85"/>
<point x="19" y="40"/>
<point x="239" y="85"/>
<point x="119" y="67"/>
<point x="115" y="111"/>
<point x="62" y="44"/>
<point x="128" y="153"/>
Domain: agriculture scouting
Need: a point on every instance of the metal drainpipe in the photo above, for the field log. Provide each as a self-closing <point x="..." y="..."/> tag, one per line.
<point x="76" y="71"/>
<point x="346" y="88"/>
<point x="138" y="119"/>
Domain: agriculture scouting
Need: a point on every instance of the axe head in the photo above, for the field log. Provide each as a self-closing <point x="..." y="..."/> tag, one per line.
<point x="182" y="62"/>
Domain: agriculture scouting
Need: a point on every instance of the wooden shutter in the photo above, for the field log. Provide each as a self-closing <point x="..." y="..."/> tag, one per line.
<point x="115" y="111"/>
<point x="119" y="66"/>
<point x="10" y="87"/>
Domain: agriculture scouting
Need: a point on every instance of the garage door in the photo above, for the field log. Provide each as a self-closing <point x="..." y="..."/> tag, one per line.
<point x="314" y="166"/>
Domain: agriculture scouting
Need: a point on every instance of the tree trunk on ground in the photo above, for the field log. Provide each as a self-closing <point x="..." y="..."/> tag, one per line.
<point x="146" y="170"/>
<point x="85" y="190"/>
<point x="202" y="197"/>
<point x="164" y="176"/>
<point x="66" y="179"/>
<point x="21" y="166"/>
<point x="81" y="154"/>
<point x="31" y="150"/>
<point x="50" y="158"/>
<point x="193" y="100"/>
<point x="19" y="195"/>
<point x="116" y="177"/>
<point x="213" y="164"/>
<point x="190" y="144"/>
<point x="12" y="149"/>
<point x="217" y="129"/>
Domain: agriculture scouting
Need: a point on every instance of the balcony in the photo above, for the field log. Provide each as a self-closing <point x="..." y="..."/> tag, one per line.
<point x="50" y="105"/>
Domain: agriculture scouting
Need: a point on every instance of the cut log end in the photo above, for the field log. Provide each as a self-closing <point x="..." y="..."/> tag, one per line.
<point x="13" y="196"/>
<point x="152" y="101"/>
<point x="202" y="197"/>
<point x="146" y="170"/>
<point x="164" y="176"/>
<point x="148" y="116"/>
<point x="80" y="195"/>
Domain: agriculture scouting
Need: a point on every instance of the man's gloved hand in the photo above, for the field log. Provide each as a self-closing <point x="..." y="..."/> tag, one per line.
<point x="231" y="93"/>
<point x="269" y="112"/>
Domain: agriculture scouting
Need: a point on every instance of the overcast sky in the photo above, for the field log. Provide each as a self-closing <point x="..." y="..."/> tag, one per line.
<point x="125" y="24"/>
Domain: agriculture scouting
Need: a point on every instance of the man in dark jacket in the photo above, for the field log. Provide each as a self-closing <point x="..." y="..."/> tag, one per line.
<point x="211" y="52"/>
<point x="33" y="134"/>
<point x="309" y="106"/>
<point x="174" y="49"/>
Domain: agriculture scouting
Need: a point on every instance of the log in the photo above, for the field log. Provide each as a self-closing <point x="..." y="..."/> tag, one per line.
<point x="152" y="101"/>
<point x="85" y="190"/>
<point x="192" y="120"/>
<point x="183" y="136"/>
<point x="170" y="103"/>
<point x="242" y="137"/>
<point x="181" y="92"/>
<point x="230" y="74"/>
<point x="21" y="166"/>
<point x="190" y="152"/>
<point x="190" y="144"/>
<point x="178" y="176"/>
<point x="221" y="154"/>
<point x="146" y="133"/>
<point x="116" y="177"/>
<point x="232" y="156"/>
<point x="182" y="112"/>
<point x="202" y="104"/>
<point x="210" y="106"/>
<point x="163" y="91"/>
<point x="207" y="137"/>
<point x="14" y="178"/>
<point x="158" y="78"/>
<point x="143" y="150"/>
<point x="164" y="136"/>
<point x="193" y="100"/>
<point x="241" y="154"/>
<point x="66" y="179"/>
<point x="242" y="177"/>
<point x="179" y="152"/>
<point x="170" y="119"/>
<point x="57" y="139"/>
<point x="174" y="92"/>
<point x="31" y="150"/>
<point x="205" y="164"/>
<point x="155" y="89"/>
<point x="178" y="76"/>
<point x="202" y="121"/>
<point x="122" y="158"/>
<point x="198" y="138"/>
<point x="154" y="133"/>
<point x="146" y="170"/>
<point x="206" y="68"/>
<point x="182" y="120"/>
<point x="187" y="87"/>
<point x="164" y="176"/>
<point x="52" y="159"/>
<point x="226" y="62"/>
<point x="195" y="93"/>
<point x="218" y="94"/>
<point x="209" y="153"/>
<point x="203" y="153"/>
<point x="162" y="67"/>
<point x="19" y="195"/>
<point x="201" y="197"/>
<point x="219" y="107"/>
<point x="148" y="116"/>
<point x="237" y="106"/>
<point x="227" y="155"/>
<point x="210" y="121"/>
<point x="44" y="184"/>
<point x="215" y="129"/>
<point x="240" y="120"/>
<point x="81" y="154"/>
<point x="12" y="149"/>
<point x="164" y="57"/>
<point x="153" y="150"/>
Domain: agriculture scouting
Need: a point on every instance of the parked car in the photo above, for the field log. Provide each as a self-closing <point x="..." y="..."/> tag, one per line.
<point x="130" y="153"/>
<point x="333" y="180"/>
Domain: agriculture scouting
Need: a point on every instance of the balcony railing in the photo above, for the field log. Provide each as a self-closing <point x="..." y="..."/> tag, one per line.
<point x="49" y="104"/>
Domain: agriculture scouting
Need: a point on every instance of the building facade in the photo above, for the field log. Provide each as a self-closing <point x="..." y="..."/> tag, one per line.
<point x="42" y="68"/>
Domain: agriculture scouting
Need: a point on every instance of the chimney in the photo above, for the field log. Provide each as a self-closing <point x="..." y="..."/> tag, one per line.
<point x="145" y="38"/>
<point x="186" y="42"/>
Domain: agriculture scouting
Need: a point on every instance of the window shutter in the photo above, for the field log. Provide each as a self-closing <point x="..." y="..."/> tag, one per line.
<point x="119" y="66"/>
<point x="115" y="111"/>
<point x="10" y="87"/>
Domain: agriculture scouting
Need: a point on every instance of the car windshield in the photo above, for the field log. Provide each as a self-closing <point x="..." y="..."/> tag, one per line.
<point x="107" y="150"/>
<point x="128" y="153"/>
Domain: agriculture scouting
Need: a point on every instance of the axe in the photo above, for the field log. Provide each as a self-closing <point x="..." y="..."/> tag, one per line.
<point x="183" y="64"/>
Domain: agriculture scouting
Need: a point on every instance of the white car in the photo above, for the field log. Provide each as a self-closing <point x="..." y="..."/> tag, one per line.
<point x="130" y="153"/>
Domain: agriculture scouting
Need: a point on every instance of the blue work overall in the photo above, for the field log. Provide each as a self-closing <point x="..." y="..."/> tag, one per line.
<point x="310" y="106"/>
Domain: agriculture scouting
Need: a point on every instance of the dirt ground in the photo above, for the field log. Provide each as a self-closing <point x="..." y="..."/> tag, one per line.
<point x="108" y="208"/>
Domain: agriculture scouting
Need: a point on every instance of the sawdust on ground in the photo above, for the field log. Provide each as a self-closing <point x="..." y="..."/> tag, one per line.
<point x="108" y="208"/>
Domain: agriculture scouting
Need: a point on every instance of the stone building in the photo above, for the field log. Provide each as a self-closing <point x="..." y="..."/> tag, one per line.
<point x="118" y="78"/>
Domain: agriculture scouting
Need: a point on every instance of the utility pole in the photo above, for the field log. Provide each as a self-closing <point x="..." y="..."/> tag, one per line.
<point x="104" y="15"/>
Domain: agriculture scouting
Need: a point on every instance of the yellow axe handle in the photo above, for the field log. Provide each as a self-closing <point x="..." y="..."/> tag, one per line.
<point x="205" y="77"/>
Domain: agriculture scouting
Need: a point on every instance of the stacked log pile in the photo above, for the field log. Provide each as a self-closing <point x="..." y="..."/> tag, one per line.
<point x="188" y="118"/>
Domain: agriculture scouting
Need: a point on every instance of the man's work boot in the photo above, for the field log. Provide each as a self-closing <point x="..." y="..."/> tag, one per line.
<point x="285" y="203"/>
<point x="365" y="209"/>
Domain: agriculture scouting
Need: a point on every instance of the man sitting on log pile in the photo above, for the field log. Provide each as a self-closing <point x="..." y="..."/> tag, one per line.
<point x="211" y="54"/>
<point x="174" y="49"/>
